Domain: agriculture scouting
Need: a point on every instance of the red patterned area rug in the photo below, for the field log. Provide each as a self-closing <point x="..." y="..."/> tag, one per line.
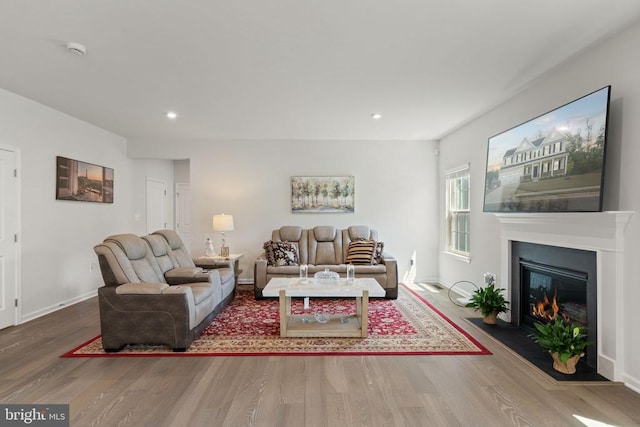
<point x="409" y="325"/>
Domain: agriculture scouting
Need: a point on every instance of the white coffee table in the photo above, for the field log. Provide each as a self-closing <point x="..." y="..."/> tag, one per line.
<point x="305" y="325"/>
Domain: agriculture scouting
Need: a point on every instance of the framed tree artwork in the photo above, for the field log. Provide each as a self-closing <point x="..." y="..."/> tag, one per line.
<point x="322" y="194"/>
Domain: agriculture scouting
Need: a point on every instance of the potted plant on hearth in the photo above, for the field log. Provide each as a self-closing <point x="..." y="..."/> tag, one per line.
<point x="489" y="300"/>
<point x="565" y="341"/>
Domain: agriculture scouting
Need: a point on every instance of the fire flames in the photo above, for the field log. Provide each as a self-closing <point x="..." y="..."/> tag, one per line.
<point x="548" y="310"/>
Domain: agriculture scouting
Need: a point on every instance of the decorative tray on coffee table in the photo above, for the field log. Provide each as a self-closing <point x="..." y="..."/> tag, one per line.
<point x="326" y="277"/>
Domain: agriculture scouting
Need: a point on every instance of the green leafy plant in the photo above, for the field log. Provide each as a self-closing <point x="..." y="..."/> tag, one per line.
<point x="565" y="338"/>
<point x="489" y="300"/>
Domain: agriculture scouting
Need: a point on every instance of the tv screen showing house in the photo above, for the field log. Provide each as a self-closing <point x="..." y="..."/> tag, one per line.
<point x="553" y="163"/>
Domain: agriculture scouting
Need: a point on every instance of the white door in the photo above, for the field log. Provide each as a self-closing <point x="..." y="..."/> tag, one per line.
<point x="183" y="212"/>
<point x="156" y="205"/>
<point x="9" y="205"/>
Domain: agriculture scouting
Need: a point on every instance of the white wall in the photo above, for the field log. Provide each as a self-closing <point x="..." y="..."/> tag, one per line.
<point x="182" y="171"/>
<point x="395" y="191"/>
<point x="57" y="237"/>
<point x="159" y="170"/>
<point x="615" y="62"/>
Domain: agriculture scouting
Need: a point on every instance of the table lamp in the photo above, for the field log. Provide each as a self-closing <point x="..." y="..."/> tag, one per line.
<point x="223" y="223"/>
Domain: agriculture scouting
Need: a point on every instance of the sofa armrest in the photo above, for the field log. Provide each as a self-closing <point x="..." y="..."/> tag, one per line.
<point x="147" y="296"/>
<point x="212" y="264"/>
<point x="159" y="289"/>
<point x="212" y="276"/>
<point x="260" y="273"/>
<point x="178" y="300"/>
<point x="165" y="316"/>
<point x="392" y="275"/>
<point x="181" y="275"/>
<point x="191" y="301"/>
<point x="389" y="261"/>
<point x="141" y="288"/>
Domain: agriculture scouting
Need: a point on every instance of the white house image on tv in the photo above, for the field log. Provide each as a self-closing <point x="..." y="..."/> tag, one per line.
<point x="544" y="157"/>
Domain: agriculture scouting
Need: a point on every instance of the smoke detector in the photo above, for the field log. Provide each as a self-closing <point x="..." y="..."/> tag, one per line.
<point x="76" y="49"/>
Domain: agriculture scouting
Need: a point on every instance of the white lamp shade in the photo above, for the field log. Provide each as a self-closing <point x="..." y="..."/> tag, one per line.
<point x="223" y="222"/>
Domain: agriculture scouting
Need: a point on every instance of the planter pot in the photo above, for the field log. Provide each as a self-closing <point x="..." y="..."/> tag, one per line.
<point x="490" y="319"/>
<point x="566" y="368"/>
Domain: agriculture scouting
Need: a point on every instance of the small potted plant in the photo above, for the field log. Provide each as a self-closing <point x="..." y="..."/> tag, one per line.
<point x="565" y="341"/>
<point x="489" y="300"/>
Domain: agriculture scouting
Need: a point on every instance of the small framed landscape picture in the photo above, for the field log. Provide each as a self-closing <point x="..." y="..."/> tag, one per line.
<point x="83" y="182"/>
<point x="329" y="194"/>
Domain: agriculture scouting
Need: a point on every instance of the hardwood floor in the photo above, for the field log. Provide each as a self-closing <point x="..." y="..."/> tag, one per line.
<point x="496" y="390"/>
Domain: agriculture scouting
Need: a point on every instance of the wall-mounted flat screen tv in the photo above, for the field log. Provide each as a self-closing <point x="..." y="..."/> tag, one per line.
<point x="552" y="163"/>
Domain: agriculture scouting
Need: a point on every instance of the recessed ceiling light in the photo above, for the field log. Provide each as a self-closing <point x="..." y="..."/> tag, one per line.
<point x="171" y="115"/>
<point x="76" y="48"/>
<point x="376" y="116"/>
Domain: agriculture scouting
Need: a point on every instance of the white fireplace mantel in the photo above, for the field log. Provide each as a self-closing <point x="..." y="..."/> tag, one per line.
<point x="581" y="230"/>
<point x="601" y="232"/>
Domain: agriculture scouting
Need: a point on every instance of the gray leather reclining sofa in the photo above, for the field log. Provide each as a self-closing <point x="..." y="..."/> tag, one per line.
<point x="154" y="294"/>
<point x="326" y="247"/>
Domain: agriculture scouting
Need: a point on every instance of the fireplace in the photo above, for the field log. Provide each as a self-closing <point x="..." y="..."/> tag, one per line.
<point x="552" y="282"/>
<point x="550" y="293"/>
<point x="601" y="233"/>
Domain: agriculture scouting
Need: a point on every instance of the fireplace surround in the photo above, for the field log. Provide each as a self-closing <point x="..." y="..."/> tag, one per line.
<point x="598" y="232"/>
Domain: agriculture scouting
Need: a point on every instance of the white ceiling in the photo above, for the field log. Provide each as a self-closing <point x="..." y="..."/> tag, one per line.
<point x="290" y="69"/>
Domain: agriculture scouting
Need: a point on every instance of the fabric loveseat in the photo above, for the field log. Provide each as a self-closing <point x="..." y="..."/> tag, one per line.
<point x="148" y="298"/>
<point x="326" y="247"/>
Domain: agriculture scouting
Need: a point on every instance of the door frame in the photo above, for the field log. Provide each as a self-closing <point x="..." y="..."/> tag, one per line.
<point x="179" y="186"/>
<point x="146" y="190"/>
<point x="18" y="246"/>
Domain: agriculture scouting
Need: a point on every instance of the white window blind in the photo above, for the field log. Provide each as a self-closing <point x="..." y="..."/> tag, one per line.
<point x="458" y="210"/>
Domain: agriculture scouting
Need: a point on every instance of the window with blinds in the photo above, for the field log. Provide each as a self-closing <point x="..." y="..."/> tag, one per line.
<point x="458" y="212"/>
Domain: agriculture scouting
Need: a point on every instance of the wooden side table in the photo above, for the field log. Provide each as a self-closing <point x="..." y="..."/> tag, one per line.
<point x="233" y="261"/>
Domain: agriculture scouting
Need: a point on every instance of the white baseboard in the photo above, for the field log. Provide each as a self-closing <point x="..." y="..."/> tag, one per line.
<point x="58" y="306"/>
<point x="416" y="280"/>
<point x="445" y="284"/>
<point x="631" y="382"/>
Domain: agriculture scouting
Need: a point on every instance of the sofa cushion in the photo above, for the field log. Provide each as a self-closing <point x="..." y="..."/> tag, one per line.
<point x="157" y="244"/>
<point x="281" y="253"/>
<point x="370" y="269"/>
<point x="225" y="274"/>
<point x="139" y="257"/>
<point x="338" y="268"/>
<point x="325" y="233"/>
<point x="290" y="233"/>
<point x="377" y="255"/>
<point x="361" y="252"/>
<point x="201" y="291"/>
<point x="173" y="239"/>
<point x="325" y="246"/>
<point x="133" y="246"/>
<point x="178" y="253"/>
<point x="288" y="270"/>
<point x="360" y="232"/>
<point x="268" y="252"/>
<point x="160" y="250"/>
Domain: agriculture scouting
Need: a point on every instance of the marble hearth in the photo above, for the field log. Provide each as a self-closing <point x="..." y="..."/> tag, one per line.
<point x="600" y="232"/>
